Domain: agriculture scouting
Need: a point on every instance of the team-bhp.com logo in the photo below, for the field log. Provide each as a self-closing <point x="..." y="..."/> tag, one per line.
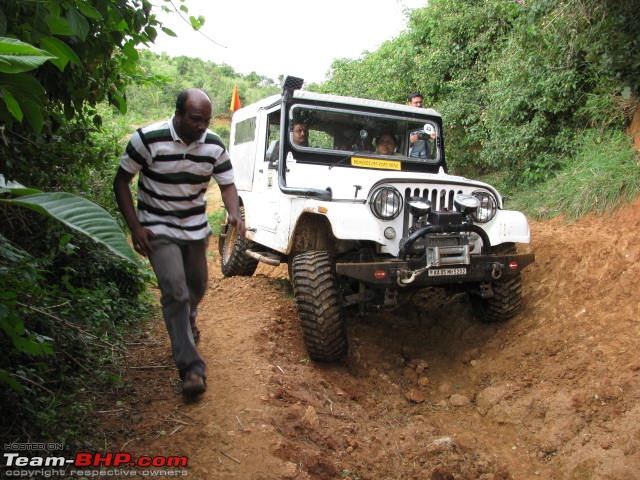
<point x="93" y="465"/>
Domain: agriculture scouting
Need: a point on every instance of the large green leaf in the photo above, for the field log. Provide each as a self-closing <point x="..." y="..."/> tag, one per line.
<point x="17" y="56"/>
<point x="12" y="105"/>
<point x="61" y="50"/>
<point x="88" y="11"/>
<point x="58" y="25"/>
<point x="78" y="23"/>
<point x="32" y="113"/>
<point x="27" y="92"/>
<point x="82" y="215"/>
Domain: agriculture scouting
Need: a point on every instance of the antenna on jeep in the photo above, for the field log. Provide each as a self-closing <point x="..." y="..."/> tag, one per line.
<point x="290" y="85"/>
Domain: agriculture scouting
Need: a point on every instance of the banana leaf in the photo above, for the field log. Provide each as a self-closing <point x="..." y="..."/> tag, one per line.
<point x="77" y="213"/>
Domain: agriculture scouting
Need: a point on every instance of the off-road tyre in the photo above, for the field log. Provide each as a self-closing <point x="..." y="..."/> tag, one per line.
<point x="507" y="295"/>
<point x="234" y="262"/>
<point x="315" y="288"/>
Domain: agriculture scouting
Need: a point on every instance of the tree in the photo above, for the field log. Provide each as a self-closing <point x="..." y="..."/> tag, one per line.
<point x="75" y="212"/>
<point x="58" y="59"/>
<point x="91" y="45"/>
<point x="517" y="82"/>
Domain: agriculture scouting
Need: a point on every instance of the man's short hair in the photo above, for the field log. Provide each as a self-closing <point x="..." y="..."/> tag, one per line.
<point x="414" y="95"/>
<point x="181" y="100"/>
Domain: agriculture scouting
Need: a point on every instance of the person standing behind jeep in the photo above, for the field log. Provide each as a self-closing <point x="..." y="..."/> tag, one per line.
<point x="418" y="147"/>
<point x="175" y="160"/>
<point x="415" y="99"/>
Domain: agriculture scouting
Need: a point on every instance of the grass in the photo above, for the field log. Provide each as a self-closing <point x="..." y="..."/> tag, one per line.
<point x="603" y="175"/>
<point x="215" y="220"/>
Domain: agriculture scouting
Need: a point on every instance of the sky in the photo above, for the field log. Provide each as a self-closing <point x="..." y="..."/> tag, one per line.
<point x="284" y="37"/>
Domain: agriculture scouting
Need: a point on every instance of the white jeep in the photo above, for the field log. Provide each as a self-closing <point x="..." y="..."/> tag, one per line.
<point x="361" y="228"/>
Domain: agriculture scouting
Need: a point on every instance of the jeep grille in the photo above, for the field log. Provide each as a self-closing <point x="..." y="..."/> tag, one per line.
<point x="441" y="200"/>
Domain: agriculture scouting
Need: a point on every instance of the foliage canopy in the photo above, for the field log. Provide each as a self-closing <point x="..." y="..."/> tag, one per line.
<point x="516" y="82"/>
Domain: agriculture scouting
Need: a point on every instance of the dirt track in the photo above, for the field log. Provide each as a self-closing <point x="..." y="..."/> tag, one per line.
<point x="426" y="392"/>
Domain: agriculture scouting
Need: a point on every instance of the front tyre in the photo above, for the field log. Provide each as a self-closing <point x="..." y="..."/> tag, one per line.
<point x="233" y="258"/>
<point x="505" y="303"/>
<point x="507" y="295"/>
<point x="315" y="288"/>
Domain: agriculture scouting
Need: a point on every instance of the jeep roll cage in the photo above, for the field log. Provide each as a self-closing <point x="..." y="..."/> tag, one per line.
<point x="347" y="132"/>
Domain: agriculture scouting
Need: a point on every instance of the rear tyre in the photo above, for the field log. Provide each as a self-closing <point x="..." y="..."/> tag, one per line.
<point x="317" y="297"/>
<point x="507" y="295"/>
<point x="233" y="259"/>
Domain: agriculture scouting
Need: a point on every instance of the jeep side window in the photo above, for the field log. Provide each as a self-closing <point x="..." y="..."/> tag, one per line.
<point x="245" y="131"/>
<point x="273" y="138"/>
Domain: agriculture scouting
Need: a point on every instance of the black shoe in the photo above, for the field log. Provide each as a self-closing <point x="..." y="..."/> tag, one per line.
<point x="193" y="385"/>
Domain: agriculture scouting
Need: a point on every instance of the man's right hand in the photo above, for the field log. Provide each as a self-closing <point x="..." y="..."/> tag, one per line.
<point x="141" y="239"/>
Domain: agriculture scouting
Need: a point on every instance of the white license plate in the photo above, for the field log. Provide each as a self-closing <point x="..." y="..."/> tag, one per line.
<point x="446" y="272"/>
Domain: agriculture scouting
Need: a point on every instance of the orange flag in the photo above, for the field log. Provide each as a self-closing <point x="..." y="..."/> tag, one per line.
<point x="235" y="100"/>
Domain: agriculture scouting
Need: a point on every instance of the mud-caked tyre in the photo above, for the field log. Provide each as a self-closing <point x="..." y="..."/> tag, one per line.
<point x="234" y="262"/>
<point x="318" y="299"/>
<point x="506" y="301"/>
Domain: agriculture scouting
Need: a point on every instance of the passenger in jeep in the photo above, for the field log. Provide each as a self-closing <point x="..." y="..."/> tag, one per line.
<point x="300" y="134"/>
<point x="386" y="144"/>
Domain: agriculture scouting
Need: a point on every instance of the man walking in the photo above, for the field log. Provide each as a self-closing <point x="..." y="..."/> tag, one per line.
<point x="175" y="160"/>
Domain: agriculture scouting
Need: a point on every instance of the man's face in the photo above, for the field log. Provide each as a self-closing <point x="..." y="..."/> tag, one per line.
<point x="194" y="121"/>
<point x="300" y="134"/>
<point x="416" y="101"/>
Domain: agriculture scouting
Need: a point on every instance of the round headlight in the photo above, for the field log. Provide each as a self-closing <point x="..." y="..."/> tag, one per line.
<point x="466" y="203"/>
<point x="488" y="207"/>
<point x="386" y="203"/>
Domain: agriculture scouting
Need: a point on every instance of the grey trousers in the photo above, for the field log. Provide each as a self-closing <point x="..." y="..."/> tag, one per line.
<point x="181" y="270"/>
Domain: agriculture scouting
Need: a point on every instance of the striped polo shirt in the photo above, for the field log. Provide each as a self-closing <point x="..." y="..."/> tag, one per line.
<point x="173" y="179"/>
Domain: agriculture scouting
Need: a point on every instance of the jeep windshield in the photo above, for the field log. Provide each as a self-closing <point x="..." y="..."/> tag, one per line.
<point x="337" y="135"/>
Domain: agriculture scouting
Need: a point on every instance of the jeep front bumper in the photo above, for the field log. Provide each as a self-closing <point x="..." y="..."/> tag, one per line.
<point x="480" y="268"/>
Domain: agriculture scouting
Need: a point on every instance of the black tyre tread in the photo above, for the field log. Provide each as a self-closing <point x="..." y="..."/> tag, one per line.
<point x="505" y="303"/>
<point x="233" y="260"/>
<point x="319" y="309"/>
<point x="507" y="294"/>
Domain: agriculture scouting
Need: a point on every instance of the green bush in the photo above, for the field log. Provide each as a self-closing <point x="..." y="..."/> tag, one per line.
<point x="517" y="83"/>
<point x="78" y="158"/>
<point x="67" y="304"/>
<point x="604" y="174"/>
